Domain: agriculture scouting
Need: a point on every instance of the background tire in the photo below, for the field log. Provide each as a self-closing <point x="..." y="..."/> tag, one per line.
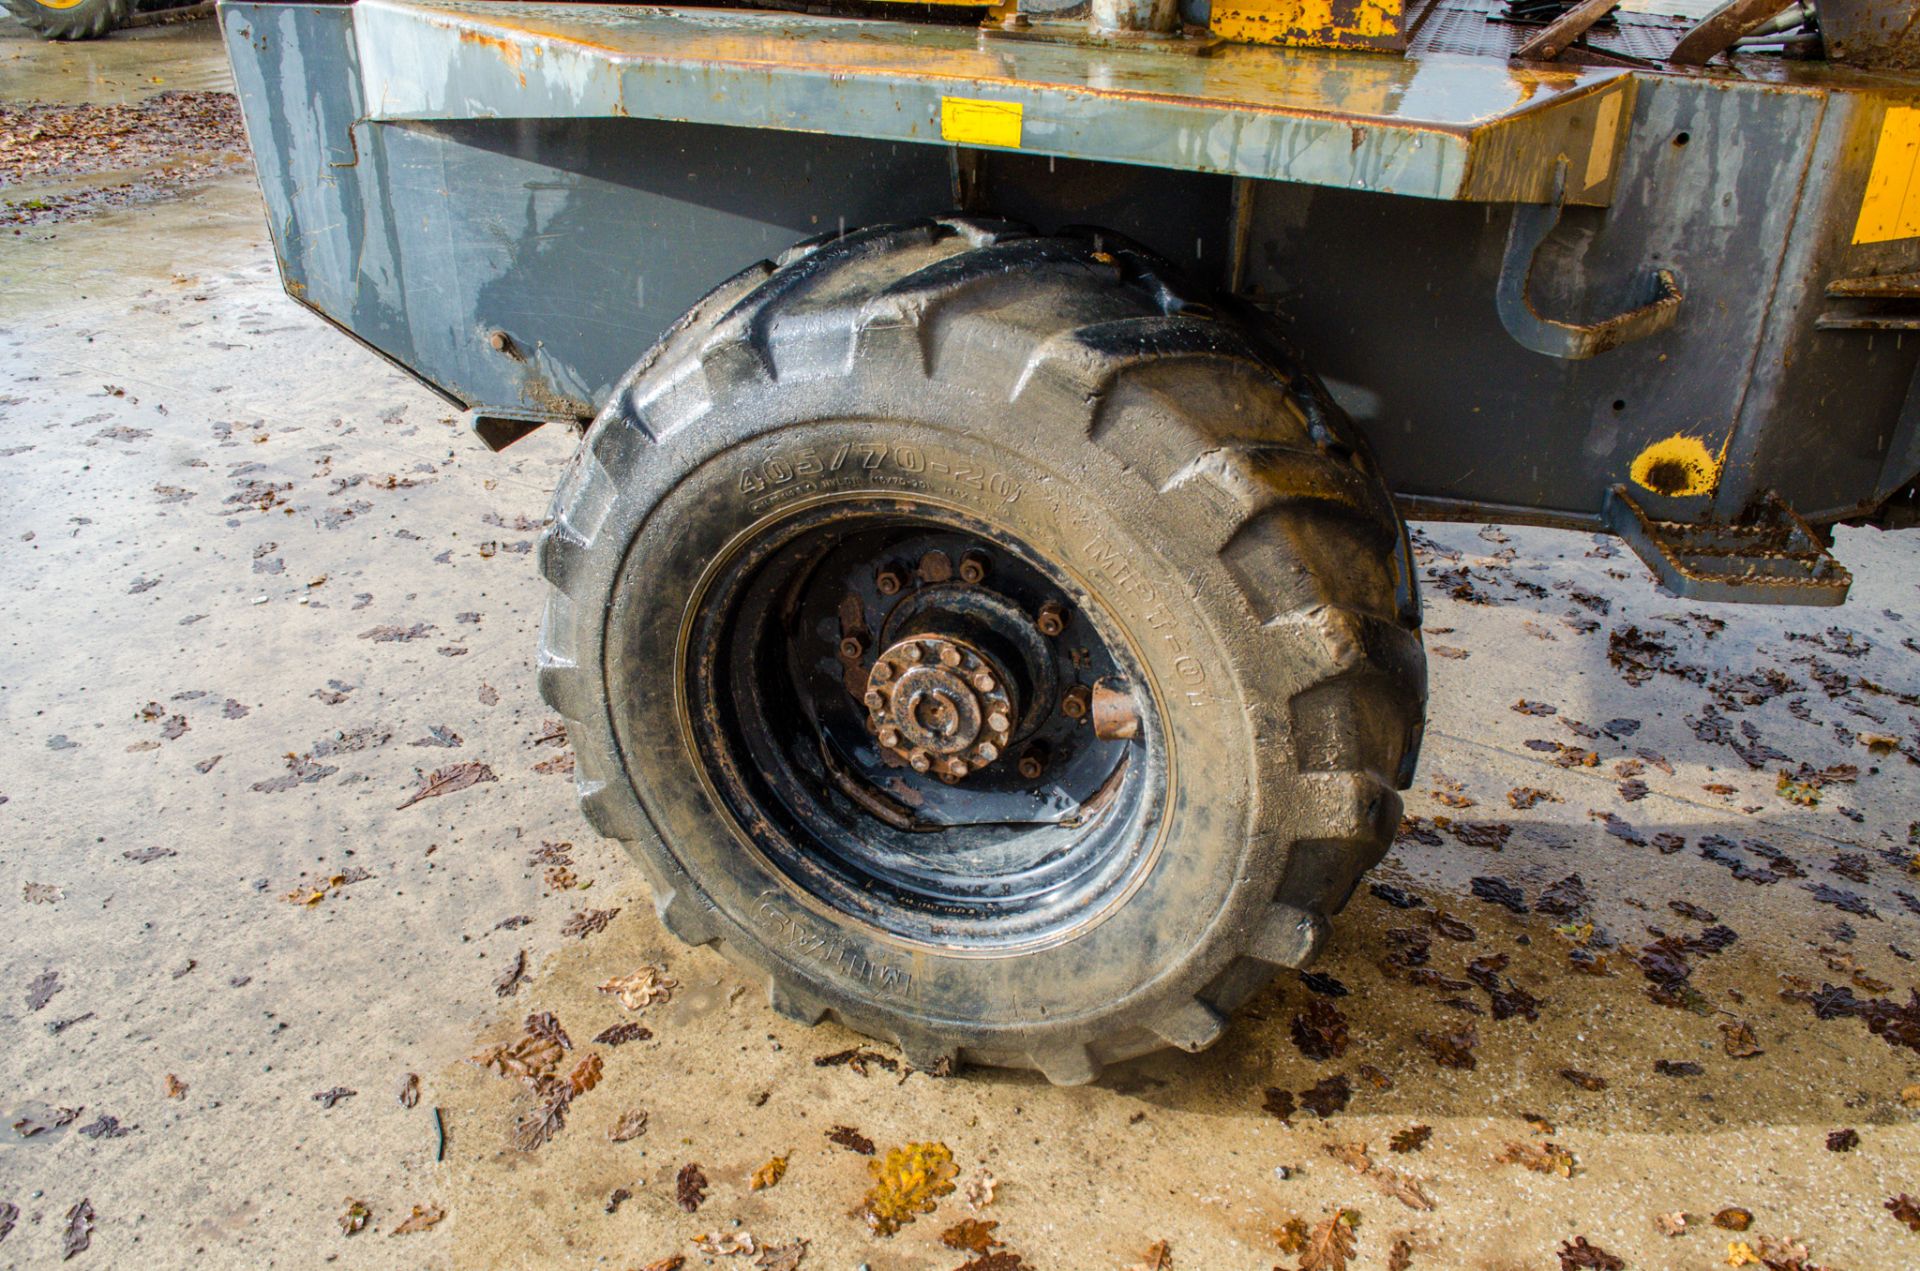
<point x="82" y="20"/>
<point x="1193" y="486"/>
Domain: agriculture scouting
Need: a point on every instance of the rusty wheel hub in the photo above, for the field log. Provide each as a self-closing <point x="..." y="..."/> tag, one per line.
<point x="940" y="705"/>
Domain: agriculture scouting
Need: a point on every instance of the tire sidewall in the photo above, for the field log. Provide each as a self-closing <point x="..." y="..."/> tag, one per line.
<point x="703" y="488"/>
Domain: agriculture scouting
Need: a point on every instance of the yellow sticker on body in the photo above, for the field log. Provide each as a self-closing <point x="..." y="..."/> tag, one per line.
<point x="1890" y="208"/>
<point x="969" y="121"/>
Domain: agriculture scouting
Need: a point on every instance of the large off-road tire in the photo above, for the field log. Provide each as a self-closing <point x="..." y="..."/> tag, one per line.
<point x="1064" y="417"/>
<point x="70" y="19"/>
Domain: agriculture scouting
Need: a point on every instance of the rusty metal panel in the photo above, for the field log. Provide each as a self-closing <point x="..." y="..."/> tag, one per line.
<point x="1438" y="127"/>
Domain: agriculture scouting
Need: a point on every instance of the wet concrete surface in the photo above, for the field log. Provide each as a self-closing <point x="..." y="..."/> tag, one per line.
<point x="256" y="585"/>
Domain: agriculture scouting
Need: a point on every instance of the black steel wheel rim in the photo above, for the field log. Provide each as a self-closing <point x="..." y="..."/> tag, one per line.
<point x="1027" y="821"/>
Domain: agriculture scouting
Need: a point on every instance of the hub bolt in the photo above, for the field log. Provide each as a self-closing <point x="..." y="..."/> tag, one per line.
<point x="1074" y="703"/>
<point x="1052" y="619"/>
<point x="888" y="581"/>
<point x="1032" y="763"/>
<point x="973" y="567"/>
<point x="851" y="647"/>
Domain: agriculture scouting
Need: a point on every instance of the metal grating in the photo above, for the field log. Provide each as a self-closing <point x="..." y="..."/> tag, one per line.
<point x="1478" y="28"/>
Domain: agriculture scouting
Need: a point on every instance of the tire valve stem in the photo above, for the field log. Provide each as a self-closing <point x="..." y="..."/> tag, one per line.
<point x="1052" y="618"/>
<point x="1075" y="701"/>
<point x="888" y="581"/>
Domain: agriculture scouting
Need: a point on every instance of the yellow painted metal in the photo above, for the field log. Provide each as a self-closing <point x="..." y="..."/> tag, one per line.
<point x="1677" y="465"/>
<point x="1890" y="209"/>
<point x="58" y="4"/>
<point x="1319" y="24"/>
<point x="972" y="121"/>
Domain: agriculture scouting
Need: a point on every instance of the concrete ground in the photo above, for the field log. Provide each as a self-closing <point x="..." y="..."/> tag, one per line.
<point x="256" y="584"/>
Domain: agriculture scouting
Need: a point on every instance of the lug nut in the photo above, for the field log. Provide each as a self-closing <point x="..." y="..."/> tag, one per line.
<point x="986" y="752"/>
<point x="949" y="656"/>
<point x="912" y="653"/>
<point x="875" y="700"/>
<point x="998" y="721"/>
<point x="852" y="647"/>
<point x="956" y="768"/>
<point x="1052" y="618"/>
<point x="1074" y="703"/>
<point x="889" y="736"/>
<point x="983" y="681"/>
<point x="973" y="567"/>
<point x="882" y="672"/>
<point x="888" y="581"/>
<point x="920" y="761"/>
<point x="1032" y="763"/>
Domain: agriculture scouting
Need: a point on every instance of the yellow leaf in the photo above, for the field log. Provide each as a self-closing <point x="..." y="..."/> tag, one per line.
<point x="907" y="1182"/>
<point x="769" y="1174"/>
<point x="644" y="987"/>
<point x="419" y="1220"/>
<point x="1741" y="1254"/>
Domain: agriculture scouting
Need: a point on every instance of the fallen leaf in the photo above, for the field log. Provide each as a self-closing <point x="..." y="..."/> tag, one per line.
<point x="585" y="1075"/>
<point x="1543" y="1158"/>
<point x="1400" y="1255"/>
<point x="1843" y="1140"/>
<point x="784" y="1257"/>
<point x="1673" y="1224"/>
<point x="40" y="893"/>
<point x="907" y="1182"/>
<point x="586" y="922"/>
<point x="980" y="1190"/>
<point x="1577" y="1255"/>
<point x="1585" y="1080"/>
<point x="631" y="1125"/>
<point x="42" y="987"/>
<point x="672" y="1262"/>
<point x="644" y="987"/>
<point x="174" y="1087"/>
<point x="327" y="1098"/>
<point x="971" y="1234"/>
<point x="620" y="1034"/>
<point x="858" y="1059"/>
<point x="1450" y="1050"/>
<point x="448" y="780"/>
<point x="733" y="1244"/>
<point x="767" y="1175"/>
<point x="690" y="1187"/>
<point x="79" y="1233"/>
<point x="1411" y="1139"/>
<point x="1736" y="1037"/>
<point x="1327" y="1097"/>
<point x="1331" y="1244"/>
<point x="1733" y="1219"/>
<point x="999" y="1260"/>
<point x="1386" y="1181"/>
<point x="1905" y="1209"/>
<point x="9" y="1215"/>
<point x="513" y="977"/>
<point x="409" y="1092"/>
<point x="355" y="1216"/>
<point x="1741" y="1254"/>
<point x="1320" y="1030"/>
<point x="1279" y="1104"/>
<point x="419" y="1220"/>
<point x="1159" y="1257"/>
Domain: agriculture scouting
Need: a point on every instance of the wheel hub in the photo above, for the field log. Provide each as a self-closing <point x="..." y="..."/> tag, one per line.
<point x="939" y="705"/>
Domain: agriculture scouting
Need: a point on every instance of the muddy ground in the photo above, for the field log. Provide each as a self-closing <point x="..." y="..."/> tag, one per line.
<point x="1642" y="954"/>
